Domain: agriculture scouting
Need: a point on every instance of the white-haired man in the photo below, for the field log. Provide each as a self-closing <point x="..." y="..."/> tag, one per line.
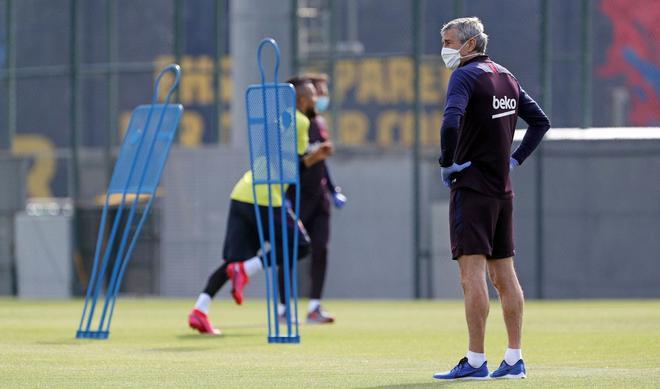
<point x="484" y="101"/>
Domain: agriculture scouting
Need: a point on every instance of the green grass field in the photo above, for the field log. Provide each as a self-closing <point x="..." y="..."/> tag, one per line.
<point x="567" y="344"/>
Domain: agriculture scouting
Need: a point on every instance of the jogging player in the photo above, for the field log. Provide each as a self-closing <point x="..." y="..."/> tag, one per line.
<point x="241" y="246"/>
<point x="484" y="101"/>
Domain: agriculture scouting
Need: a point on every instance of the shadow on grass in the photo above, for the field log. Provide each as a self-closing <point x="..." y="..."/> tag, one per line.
<point x="224" y="335"/>
<point x="240" y="326"/>
<point x="428" y="384"/>
<point x="196" y="337"/>
<point x="178" y="349"/>
<point x="62" y="342"/>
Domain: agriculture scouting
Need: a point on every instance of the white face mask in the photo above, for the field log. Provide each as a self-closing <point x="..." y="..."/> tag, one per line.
<point x="452" y="57"/>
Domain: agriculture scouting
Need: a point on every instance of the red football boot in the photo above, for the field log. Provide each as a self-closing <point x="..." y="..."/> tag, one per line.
<point x="199" y="321"/>
<point x="238" y="277"/>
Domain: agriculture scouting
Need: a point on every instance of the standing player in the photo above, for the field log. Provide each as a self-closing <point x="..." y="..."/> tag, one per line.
<point x="320" y="82"/>
<point x="484" y="101"/>
<point x="242" y="244"/>
<point x="315" y="189"/>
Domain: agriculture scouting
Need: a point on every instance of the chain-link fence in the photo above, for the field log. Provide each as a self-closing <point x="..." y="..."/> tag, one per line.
<point x="83" y="65"/>
<point x="574" y="57"/>
<point x="72" y="71"/>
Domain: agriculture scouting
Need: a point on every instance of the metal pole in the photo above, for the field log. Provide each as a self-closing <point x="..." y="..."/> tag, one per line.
<point x="334" y="38"/>
<point x="11" y="111"/>
<point x="111" y="78"/>
<point x="250" y="22"/>
<point x="75" y="119"/>
<point x="546" y="56"/>
<point x="459" y="8"/>
<point x="11" y="70"/>
<point x="74" y="108"/>
<point x="294" y="37"/>
<point x="586" y="63"/>
<point x="218" y="50"/>
<point x="546" y="101"/>
<point x="178" y="40"/>
<point x="416" y="216"/>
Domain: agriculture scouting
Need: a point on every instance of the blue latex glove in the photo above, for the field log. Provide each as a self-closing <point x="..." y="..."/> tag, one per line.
<point x="454" y="168"/>
<point x="513" y="163"/>
<point x="338" y="199"/>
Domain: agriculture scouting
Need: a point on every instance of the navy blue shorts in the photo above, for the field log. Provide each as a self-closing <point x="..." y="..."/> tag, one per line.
<point x="480" y="225"/>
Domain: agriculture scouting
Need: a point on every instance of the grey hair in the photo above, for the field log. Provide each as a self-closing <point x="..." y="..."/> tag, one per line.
<point x="468" y="28"/>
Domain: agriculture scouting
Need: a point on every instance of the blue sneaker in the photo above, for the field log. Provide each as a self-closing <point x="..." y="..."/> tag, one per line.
<point x="464" y="371"/>
<point x="506" y="371"/>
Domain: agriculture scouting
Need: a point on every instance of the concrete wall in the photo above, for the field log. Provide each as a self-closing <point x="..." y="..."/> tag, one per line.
<point x="371" y="237"/>
<point x="601" y="217"/>
<point x="197" y="184"/>
<point x="43" y="256"/>
<point x="601" y="207"/>
<point x="13" y="172"/>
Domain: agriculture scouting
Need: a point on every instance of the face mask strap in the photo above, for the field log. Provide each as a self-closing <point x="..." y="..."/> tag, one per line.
<point x="463" y="45"/>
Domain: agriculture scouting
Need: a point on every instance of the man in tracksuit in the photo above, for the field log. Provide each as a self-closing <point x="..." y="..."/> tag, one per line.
<point x="484" y="101"/>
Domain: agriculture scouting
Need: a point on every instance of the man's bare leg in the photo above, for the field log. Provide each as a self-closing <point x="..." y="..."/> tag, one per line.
<point x="503" y="275"/>
<point x="475" y="291"/>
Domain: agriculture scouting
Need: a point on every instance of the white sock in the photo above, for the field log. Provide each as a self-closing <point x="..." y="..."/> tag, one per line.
<point x="313" y="304"/>
<point x="203" y="302"/>
<point x="252" y="266"/>
<point x="512" y="355"/>
<point x="476" y="359"/>
<point x="281" y="308"/>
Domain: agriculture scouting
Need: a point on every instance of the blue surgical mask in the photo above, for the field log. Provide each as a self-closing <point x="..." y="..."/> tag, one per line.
<point x="322" y="103"/>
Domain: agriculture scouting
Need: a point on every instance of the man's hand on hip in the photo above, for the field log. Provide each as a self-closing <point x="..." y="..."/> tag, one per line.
<point x="449" y="170"/>
<point x="513" y="163"/>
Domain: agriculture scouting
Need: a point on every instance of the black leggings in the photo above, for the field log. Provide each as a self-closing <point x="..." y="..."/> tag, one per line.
<point x="315" y="215"/>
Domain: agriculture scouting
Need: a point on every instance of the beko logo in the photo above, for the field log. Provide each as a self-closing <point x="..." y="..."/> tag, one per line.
<point x="504" y="103"/>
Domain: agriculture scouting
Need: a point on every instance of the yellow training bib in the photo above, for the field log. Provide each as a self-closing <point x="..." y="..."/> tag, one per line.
<point x="243" y="189"/>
